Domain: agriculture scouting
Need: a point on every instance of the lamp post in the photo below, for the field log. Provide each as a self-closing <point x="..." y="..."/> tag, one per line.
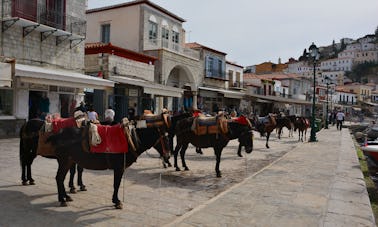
<point x="314" y="53"/>
<point x="327" y="81"/>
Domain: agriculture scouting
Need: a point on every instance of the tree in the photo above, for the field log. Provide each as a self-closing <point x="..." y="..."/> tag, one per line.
<point x="360" y="72"/>
<point x="376" y="33"/>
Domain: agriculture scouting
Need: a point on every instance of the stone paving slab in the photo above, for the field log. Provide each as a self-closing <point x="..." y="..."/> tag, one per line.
<point x="317" y="184"/>
<point x="313" y="184"/>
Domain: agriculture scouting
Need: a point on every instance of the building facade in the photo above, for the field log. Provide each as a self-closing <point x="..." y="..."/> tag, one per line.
<point x="45" y="39"/>
<point x="147" y="28"/>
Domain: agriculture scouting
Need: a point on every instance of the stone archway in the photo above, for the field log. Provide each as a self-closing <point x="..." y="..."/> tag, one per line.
<point x="181" y="77"/>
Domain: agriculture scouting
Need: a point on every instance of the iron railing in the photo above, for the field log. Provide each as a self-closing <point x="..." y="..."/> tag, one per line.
<point x="40" y="13"/>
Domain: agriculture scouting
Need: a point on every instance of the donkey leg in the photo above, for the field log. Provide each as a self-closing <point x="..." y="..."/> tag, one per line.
<point x="71" y="182"/>
<point x="182" y="155"/>
<point x="218" y="153"/>
<point x="29" y="175"/>
<point x="23" y="174"/>
<point x="80" y="178"/>
<point x="118" y="173"/>
<point x="267" y="139"/>
<point x="175" y="154"/>
<point x="239" y="150"/>
<point x="60" y="176"/>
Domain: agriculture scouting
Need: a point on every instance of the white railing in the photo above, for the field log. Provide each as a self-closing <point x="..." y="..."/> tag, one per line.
<point x="175" y="47"/>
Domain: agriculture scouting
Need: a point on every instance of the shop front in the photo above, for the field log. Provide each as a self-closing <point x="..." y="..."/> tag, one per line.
<point x="147" y="95"/>
<point x="39" y="91"/>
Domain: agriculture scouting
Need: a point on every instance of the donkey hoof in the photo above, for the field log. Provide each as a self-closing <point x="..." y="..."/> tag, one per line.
<point x="32" y="182"/>
<point x="69" y="199"/>
<point x="83" y="188"/>
<point x="24" y="182"/>
<point x="73" y="190"/>
<point x="178" y="169"/>
<point x="118" y="205"/>
<point x="219" y="175"/>
<point x="186" y="168"/>
<point x="240" y="155"/>
<point x="63" y="204"/>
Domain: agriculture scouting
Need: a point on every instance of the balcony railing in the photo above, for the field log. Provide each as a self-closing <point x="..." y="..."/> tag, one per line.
<point x="176" y="47"/>
<point x="30" y="10"/>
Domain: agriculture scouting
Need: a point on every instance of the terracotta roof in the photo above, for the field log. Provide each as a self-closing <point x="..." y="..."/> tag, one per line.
<point x="273" y="76"/>
<point x="200" y="46"/>
<point x="96" y="48"/>
<point x="136" y="2"/>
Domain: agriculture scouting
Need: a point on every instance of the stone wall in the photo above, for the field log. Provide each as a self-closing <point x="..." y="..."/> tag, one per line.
<point x="10" y="128"/>
<point x="31" y="50"/>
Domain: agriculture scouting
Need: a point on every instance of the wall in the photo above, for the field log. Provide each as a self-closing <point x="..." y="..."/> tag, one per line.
<point x="124" y="26"/>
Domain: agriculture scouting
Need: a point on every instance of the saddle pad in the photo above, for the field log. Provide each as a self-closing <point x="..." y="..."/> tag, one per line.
<point x="153" y="120"/>
<point x="208" y="121"/>
<point x="113" y="140"/>
<point x="60" y="123"/>
<point x="44" y="148"/>
<point x="240" y="120"/>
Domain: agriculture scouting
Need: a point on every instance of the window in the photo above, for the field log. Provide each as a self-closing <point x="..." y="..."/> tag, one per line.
<point x="165" y="37"/>
<point x="6" y="102"/>
<point x="54" y="14"/>
<point x="165" y="33"/>
<point x="175" y="37"/>
<point x="25" y="9"/>
<point x="105" y="33"/>
<point x="152" y="30"/>
<point x="215" y="67"/>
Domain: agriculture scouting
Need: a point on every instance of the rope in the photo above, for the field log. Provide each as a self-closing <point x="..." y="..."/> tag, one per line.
<point x="124" y="177"/>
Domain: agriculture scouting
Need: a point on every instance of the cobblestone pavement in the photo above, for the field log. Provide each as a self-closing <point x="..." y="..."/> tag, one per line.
<point x="152" y="195"/>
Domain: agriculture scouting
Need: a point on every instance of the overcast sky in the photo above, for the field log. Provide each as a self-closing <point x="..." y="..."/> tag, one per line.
<point x="255" y="31"/>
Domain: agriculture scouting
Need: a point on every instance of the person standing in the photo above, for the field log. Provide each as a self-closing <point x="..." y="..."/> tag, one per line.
<point x="340" y="118"/>
<point x="92" y="114"/>
<point x="109" y="116"/>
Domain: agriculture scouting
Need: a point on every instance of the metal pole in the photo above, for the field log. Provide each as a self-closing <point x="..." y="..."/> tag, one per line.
<point x="326" y="125"/>
<point x="313" y="131"/>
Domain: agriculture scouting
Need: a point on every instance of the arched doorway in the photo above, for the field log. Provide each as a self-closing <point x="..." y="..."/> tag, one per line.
<point x="181" y="77"/>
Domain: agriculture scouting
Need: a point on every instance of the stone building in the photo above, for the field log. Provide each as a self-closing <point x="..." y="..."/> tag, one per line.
<point x="46" y="40"/>
<point x="147" y="28"/>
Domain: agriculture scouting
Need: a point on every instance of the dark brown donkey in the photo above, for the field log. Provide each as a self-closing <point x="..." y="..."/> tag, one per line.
<point x="265" y="126"/>
<point x="185" y="135"/>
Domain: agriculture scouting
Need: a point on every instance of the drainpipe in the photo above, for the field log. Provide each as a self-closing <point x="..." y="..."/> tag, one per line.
<point x="2" y="35"/>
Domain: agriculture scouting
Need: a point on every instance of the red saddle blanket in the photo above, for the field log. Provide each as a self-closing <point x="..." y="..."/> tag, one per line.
<point x="60" y="123"/>
<point x="113" y="140"/>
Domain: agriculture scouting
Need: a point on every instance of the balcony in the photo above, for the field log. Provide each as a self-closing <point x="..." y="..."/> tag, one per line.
<point x="236" y="85"/>
<point x="30" y="11"/>
<point x="175" y="47"/>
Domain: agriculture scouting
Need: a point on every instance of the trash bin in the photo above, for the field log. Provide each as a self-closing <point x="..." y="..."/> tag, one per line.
<point x="318" y="124"/>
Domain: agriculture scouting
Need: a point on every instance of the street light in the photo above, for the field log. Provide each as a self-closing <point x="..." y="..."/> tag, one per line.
<point x="327" y="79"/>
<point x="314" y="53"/>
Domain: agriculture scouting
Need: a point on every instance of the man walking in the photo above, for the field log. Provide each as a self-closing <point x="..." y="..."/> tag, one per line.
<point x="340" y="118"/>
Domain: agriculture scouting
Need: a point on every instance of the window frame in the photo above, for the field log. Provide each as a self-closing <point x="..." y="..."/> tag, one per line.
<point x="105" y="37"/>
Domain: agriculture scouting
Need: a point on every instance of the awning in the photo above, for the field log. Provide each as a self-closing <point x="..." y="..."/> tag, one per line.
<point x="227" y="93"/>
<point x="268" y="99"/>
<point x="371" y="104"/>
<point x="59" y="77"/>
<point x="356" y="108"/>
<point x="150" y="87"/>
